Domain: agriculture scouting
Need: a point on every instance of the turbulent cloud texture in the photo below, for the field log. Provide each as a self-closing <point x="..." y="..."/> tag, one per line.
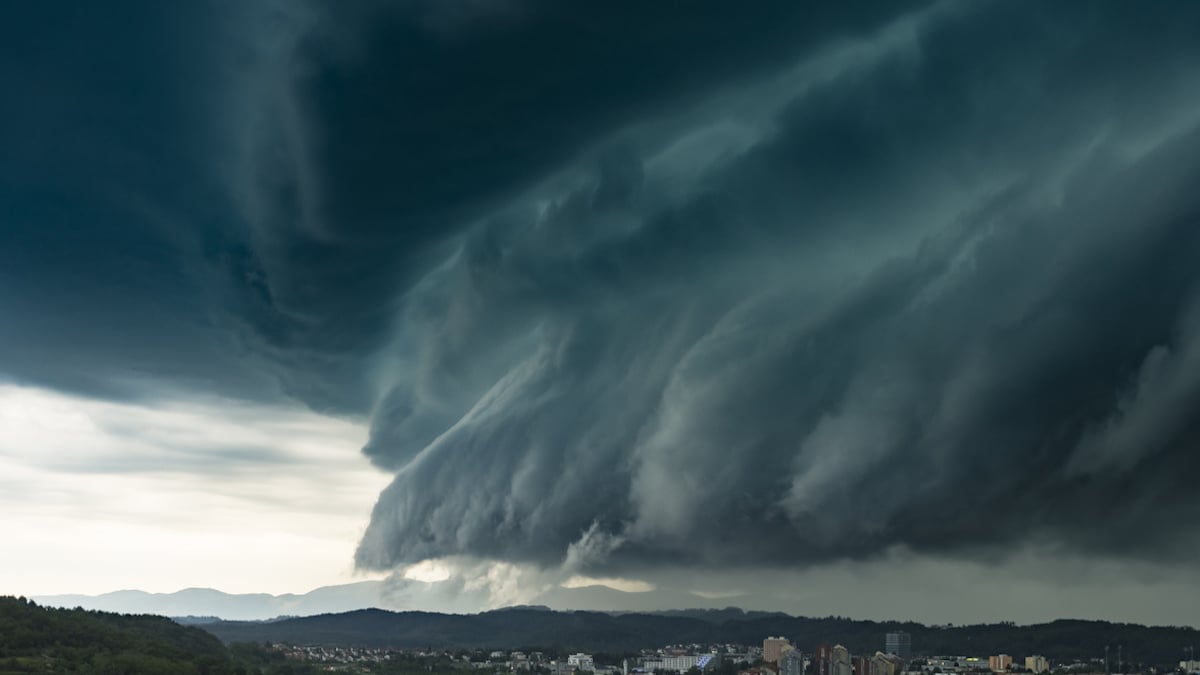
<point x="626" y="285"/>
<point x="929" y="285"/>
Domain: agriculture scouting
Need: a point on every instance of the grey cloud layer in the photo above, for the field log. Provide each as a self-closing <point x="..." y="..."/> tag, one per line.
<point x="625" y="286"/>
<point x="937" y="294"/>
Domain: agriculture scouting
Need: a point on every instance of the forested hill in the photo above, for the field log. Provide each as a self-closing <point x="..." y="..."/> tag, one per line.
<point x="37" y="639"/>
<point x="595" y="631"/>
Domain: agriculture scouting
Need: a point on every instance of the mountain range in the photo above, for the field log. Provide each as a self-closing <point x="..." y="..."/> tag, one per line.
<point x="207" y="602"/>
<point x="203" y="604"/>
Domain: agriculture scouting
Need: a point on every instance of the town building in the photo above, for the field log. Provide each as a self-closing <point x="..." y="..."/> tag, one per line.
<point x="791" y="662"/>
<point x="860" y="665"/>
<point x="841" y="661"/>
<point x="1036" y="664"/>
<point x="882" y="665"/>
<point x="898" y="643"/>
<point x="581" y="661"/>
<point x="773" y="648"/>
<point x="822" y="661"/>
<point x="999" y="663"/>
<point x="681" y="663"/>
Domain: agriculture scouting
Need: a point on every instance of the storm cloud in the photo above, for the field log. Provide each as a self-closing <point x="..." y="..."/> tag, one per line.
<point x="625" y="287"/>
<point x="932" y="285"/>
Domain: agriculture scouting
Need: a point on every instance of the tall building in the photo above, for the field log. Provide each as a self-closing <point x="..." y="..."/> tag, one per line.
<point x="999" y="663"/>
<point x="823" y="660"/>
<point x="898" y="643"/>
<point x="882" y="665"/>
<point x="841" y="661"/>
<point x="773" y="648"/>
<point x="791" y="662"/>
<point x="1037" y="664"/>
<point x="860" y="665"/>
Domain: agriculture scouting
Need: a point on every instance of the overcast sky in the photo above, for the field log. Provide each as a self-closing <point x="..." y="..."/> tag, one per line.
<point x="871" y="309"/>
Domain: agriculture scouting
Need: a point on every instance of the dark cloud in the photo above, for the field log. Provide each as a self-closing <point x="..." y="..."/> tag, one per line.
<point x="105" y="128"/>
<point x="398" y="126"/>
<point x="624" y="286"/>
<point x="938" y="282"/>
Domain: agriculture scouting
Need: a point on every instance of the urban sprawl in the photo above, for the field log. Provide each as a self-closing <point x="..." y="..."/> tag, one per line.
<point x="776" y="656"/>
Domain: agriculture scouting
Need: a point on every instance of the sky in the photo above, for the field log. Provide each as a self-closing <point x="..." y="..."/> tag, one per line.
<point x="869" y="309"/>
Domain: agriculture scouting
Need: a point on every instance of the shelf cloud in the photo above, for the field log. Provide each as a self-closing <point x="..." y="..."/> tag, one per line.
<point x="629" y="287"/>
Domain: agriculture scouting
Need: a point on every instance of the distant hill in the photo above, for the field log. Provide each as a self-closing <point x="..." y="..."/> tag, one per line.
<point x="506" y="628"/>
<point x="605" y="599"/>
<point x="195" y="620"/>
<point x="1064" y="640"/>
<point x="206" y="602"/>
<point x="717" y="616"/>
<point x="40" y="639"/>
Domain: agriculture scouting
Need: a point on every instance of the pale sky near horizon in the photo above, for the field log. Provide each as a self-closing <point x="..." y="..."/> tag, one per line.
<point x="99" y="496"/>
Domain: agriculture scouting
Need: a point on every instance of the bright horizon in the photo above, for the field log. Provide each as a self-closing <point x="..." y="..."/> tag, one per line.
<point x="104" y="496"/>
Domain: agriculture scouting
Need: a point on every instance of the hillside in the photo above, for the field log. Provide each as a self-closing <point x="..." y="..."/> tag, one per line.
<point x="1063" y="640"/>
<point x="36" y="639"/>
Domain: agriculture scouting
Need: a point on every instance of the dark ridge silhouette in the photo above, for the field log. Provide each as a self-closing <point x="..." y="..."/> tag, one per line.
<point x="1062" y="640"/>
